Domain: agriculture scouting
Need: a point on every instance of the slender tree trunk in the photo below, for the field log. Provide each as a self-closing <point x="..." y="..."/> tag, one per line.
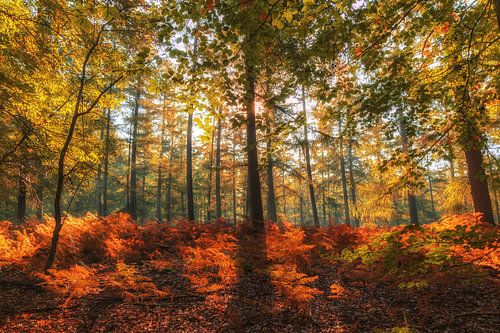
<point x="62" y="156"/>
<point x="352" y="183"/>
<point x="234" y="181"/>
<point x="218" y="199"/>
<point x="431" y="193"/>
<point x="168" y="199"/>
<point x="284" y="194"/>
<point x="344" y="177"/>
<point x="308" y="163"/>
<point x="209" y="192"/>
<point x="254" y="198"/>
<point x="189" y="169"/>
<point x="129" y="152"/>
<point x="160" y="176"/>
<point x="412" y="200"/>
<point x="40" y="192"/>
<point x="21" y="195"/>
<point x="189" y="147"/>
<point x="271" y="199"/>
<point x="133" y="158"/>
<point x="478" y="181"/>
<point x="106" y="166"/>
<point x="99" y="181"/>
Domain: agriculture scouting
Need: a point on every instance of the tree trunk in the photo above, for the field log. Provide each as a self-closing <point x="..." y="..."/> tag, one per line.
<point x="159" y="173"/>
<point x="189" y="169"/>
<point x="133" y="158"/>
<point x="218" y="199"/>
<point x="234" y="180"/>
<point x="209" y="192"/>
<point x="344" y="177"/>
<point x="106" y="166"/>
<point x="352" y="183"/>
<point x="308" y="164"/>
<point x="271" y="199"/>
<point x="254" y="198"/>
<point x="478" y="181"/>
<point x="127" y="205"/>
<point x="98" y="181"/>
<point x="431" y="193"/>
<point x="412" y="200"/>
<point x="21" y="196"/>
<point x="62" y="156"/>
<point x="168" y="199"/>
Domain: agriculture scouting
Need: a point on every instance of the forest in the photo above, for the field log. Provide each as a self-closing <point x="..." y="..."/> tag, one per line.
<point x="249" y="166"/>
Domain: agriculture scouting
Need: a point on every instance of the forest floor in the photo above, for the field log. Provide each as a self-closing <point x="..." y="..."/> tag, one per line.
<point x="215" y="282"/>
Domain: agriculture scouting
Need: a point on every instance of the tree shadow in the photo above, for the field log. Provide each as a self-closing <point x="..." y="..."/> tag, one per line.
<point x="250" y="309"/>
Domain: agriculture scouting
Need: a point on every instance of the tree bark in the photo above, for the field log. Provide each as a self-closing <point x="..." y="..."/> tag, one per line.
<point x="271" y="198"/>
<point x="133" y="158"/>
<point x="98" y="181"/>
<point x="218" y="199"/>
<point x="254" y="197"/>
<point x="106" y="166"/>
<point x="189" y="169"/>
<point x="478" y="181"/>
<point x="352" y="183"/>
<point x="159" y="174"/>
<point x="431" y="193"/>
<point x="308" y="164"/>
<point x="234" y="180"/>
<point x="209" y="192"/>
<point x="344" y="177"/>
<point x="412" y="200"/>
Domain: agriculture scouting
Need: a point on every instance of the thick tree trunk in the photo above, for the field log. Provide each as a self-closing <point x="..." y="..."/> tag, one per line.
<point x="412" y="200"/>
<point x="106" y="166"/>
<point x="218" y="199"/>
<point x="254" y="198"/>
<point x="478" y="181"/>
<point x="271" y="199"/>
<point x="308" y="164"/>
<point x="133" y="158"/>
<point x="21" y="195"/>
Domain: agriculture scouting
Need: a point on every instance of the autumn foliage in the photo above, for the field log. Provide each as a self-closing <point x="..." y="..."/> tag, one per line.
<point x="114" y="256"/>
